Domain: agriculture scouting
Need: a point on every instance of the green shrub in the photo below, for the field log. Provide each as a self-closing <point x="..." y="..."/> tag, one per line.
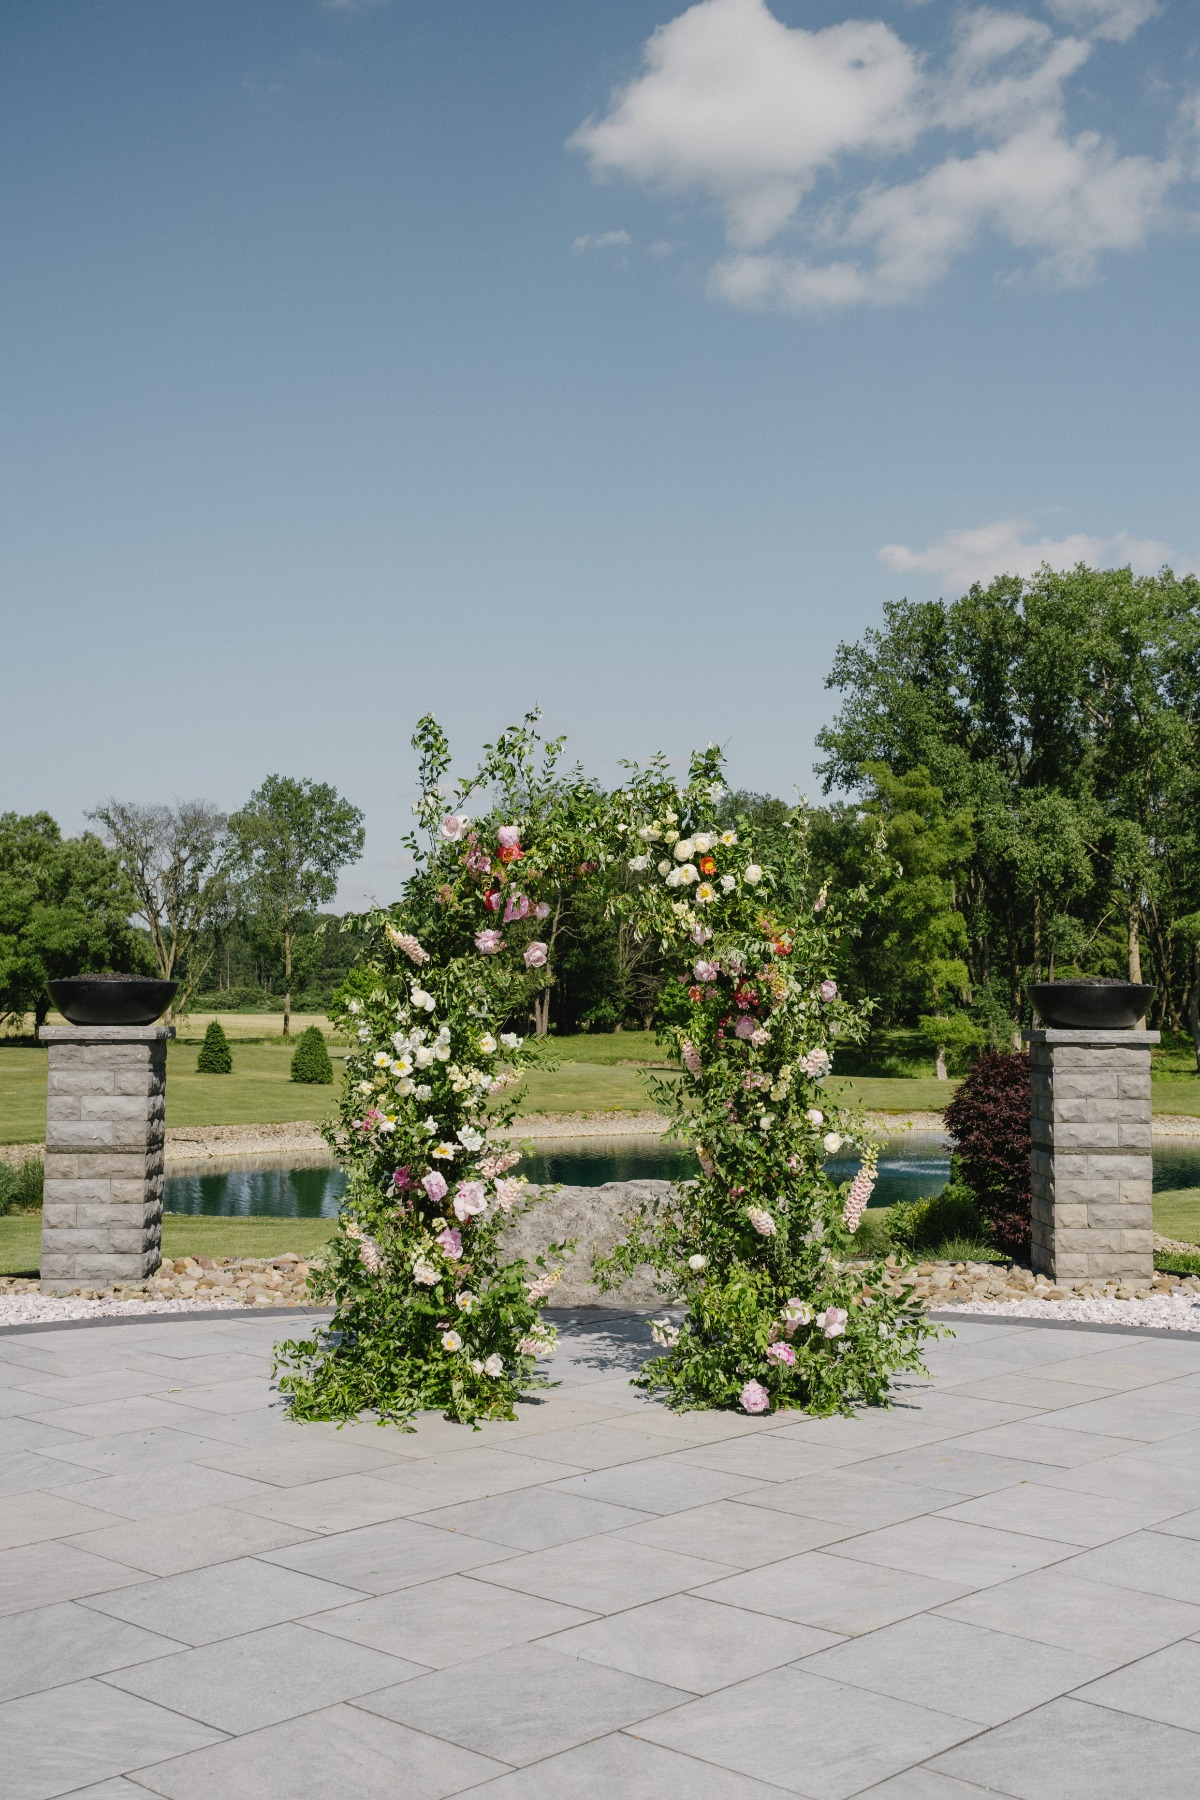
<point x="872" y="1237"/>
<point x="1177" y="1262"/>
<point x="311" y="1061"/>
<point x="921" y="1225"/>
<point x="215" y="1058"/>
<point x="966" y="1249"/>
<point x="21" y="1186"/>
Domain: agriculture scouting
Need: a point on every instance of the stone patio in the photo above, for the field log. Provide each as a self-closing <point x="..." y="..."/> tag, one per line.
<point x="992" y="1589"/>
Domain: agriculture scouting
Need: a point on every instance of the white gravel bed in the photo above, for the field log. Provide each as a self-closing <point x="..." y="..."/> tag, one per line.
<point x="31" y="1308"/>
<point x="1158" y="1312"/>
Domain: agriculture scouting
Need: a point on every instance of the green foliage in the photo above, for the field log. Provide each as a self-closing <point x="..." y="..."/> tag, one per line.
<point x="873" y="1239"/>
<point x="1177" y="1262"/>
<point x="311" y="1060"/>
<point x="920" y="1225"/>
<point x="64" y="910"/>
<point x="966" y="1249"/>
<point x="216" y="1058"/>
<point x="21" y="1186"/>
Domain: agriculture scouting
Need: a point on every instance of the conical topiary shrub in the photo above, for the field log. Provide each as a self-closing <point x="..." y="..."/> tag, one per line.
<point x="311" y="1061"/>
<point x="215" y="1058"/>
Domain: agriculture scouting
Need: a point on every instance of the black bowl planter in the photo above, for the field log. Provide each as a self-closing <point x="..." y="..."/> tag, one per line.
<point x="112" y="999"/>
<point x="1100" y="1005"/>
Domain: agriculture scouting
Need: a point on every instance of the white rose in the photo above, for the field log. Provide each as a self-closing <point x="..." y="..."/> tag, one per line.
<point x="752" y="874"/>
<point x="424" y="1273"/>
<point x="442" y="1052"/>
<point x="422" y="1056"/>
<point x="832" y="1142"/>
<point x="696" y="1263"/>
<point x="701" y="843"/>
<point x="728" y="883"/>
<point x="664" y="868"/>
<point x="510" y="1040"/>
<point x="487" y="1044"/>
<point x="406" y="1087"/>
<point x="355" y="1006"/>
<point x="639" y="864"/>
<point x="674" y="877"/>
<point x="494" y="1366"/>
<point x="814" y="1117"/>
<point x="469" y="1138"/>
<point x="688" y="874"/>
<point x="683" y="849"/>
<point x="422" y="1000"/>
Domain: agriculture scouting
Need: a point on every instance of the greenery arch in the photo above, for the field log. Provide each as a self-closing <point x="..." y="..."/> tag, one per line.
<point x="428" y="1311"/>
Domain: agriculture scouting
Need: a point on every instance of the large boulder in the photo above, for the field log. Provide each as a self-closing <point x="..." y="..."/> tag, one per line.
<point x="596" y="1218"/>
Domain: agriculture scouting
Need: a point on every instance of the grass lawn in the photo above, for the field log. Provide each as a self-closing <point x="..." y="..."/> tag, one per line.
<point x="183" y="1235"/>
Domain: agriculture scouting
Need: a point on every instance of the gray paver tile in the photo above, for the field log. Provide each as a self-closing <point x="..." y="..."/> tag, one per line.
<point x="1046" y="1443"/>
<point x="32" y="1517"/>
<point x="832" y="1592"/>
<point x="32" y="1434"/>
<point x="730" y="1532"/>
<point x="528" y="1704"/>
<point x="1145" y="1417"/>
<point x="1130" y="1478"/>
<point x="440" y="1623"/>
<point x="343" y="1503"/>
<point x="985" y="1676"/>
<point x="807" y="1735"/>
<point x="380" y="1558"/>
<point x="949" y="1467"/>
<point x="1050" y="1512"/>
<point x="129" y="1452"/>
<point x="244" y="1683"/>
<point x="136" y="1413"/>
<point x="1150" y="1562"/>
<point x="59" y="1740"/>
<point x="662" y="1484"/>
<point x="175" y="1542"/>
<point x="40" y="1574"/>
<point x="774" y="1456"/>
<point x="602" y="1574"/>
<point x="1164" y="1686"/>
<point x="1069" y="1750"/>
<point x="620" y="1765"/>
<point x="1111" y="1370"/>
<point x="450" y="1478"/>
<point x="175" y="1487"/>
<point x="50" y="1645"/>
<point x="690" y="1643"/>
<point x="1031" y="1388"/>
<point x="246" y="1395"/>
<point x="339" y="1751"/>
<point x="1056" y="1607"/>
<point x="294" y="1464"/>
<point x="533" y="1518"/>
<point x="26" y="1472"/>
<point x="219" y="1602"/>
<point x="595" y="1447"/>
<point x="971" y="1555"/>
<point x="854" y="1499"/>
<point x="92" y="1389"/>
<point x="925" y="1784"/>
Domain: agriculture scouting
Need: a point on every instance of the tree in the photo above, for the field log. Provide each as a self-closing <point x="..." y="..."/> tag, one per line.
<point x="291" y="841"/>
<point x="215" y="1058"/>
<point x="989" y="1121"/>
<point x="311" y="1059"/>
<point x="175" y="859"/>
<point x="65" y="906"/>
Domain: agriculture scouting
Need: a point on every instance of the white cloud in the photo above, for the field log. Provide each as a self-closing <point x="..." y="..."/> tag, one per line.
<point x="750" y="114"/>
<point x="605" y="240"/>
<point x="1005" y="547"/>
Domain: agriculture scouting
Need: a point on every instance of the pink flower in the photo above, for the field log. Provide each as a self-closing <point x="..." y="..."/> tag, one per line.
<point x="488" y="942"/>
<point x="819" y="902"/>
<point x="435" y="1185"/>
<point x="451" y="1242"/>
<point x="369" y="1257"/>
<point x="858" y="1197"/>
<point x="478" y="862"/>
<point x="496" y="1164"/>
<point x="508" y="1192"/>
<point x="816" y="1062"/>
<point x="705" y="971"/>
<point x="781" y="1353"/>
<point x="745" y="1027"/>
<point x="828" y="990"/>
<point x="691" y="1059"/>
<point x="493" y="900"/>
<point x="759" y="1036"/>
<point x="833" y="1321"/>
<point x="542" y="910"/>
<point x="401" y="1179"/>
<point x="755" y="1398"/>
<point x="515" y="907"/>
<point x="453" y="827"/>
<point x="536" y="954"/>
<point x="700" y="934"/>
<point x="469" y="1199"/>
<point x="508" y="836"/>
<point x="762" y="1221"/>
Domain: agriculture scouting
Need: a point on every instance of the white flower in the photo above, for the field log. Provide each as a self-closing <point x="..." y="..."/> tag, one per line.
<point x="674" y="877"/>
<point x="446" y="1151"/>
<point x="402" y="1066"/>
<point x="469" y="1138"/>
<point x="664" y="868"/>
<point x="355" y="1006"/>
<point x="422" y="1056"/>
<point x="716" y="792"/>
<point x="422" y="1001"/>
<point x="765" y="1121"/>
<point x="451" y="1341"/>
<point x="364" y="1035"/>
<point x="387" y="1126"/>
<point x="664" y="1333"/>
<point x="381" y="1059"/>
<point x="510" y="1040"/>
<point x="476" y="1366"/>
<point x="688" y="874"/>
<point x="683" y="849"/>
<point x="762" y="1221"/>
<point x="487" y="1044"/>
<point x="697" y="1262"/>
<point x="728" y="883"/>
<point x="797" y="1312"/>
<point x="648" y="833"/>
<point x="423" y="1093"/>
<point x="706" y="893"/>
<point x="406" y="1087"/>
<point x="494" y="1366"/>
<point x="832" y="1142"/>
<point x="639" y="864"/>
<point x="729" y="839"/>
<point x="464" y="1301"/>
<point x="424" y="1273"/>
<point x="454" y="826"/>
<point x="752" y="874"/>
<point x="814" y="1117"/>
<point x="442" y="1052"/>
<point x="366" y="1087"/>
<point x="701" y="843"/>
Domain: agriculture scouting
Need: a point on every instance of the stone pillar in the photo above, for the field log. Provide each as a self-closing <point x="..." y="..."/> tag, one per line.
<point x="1090" y="1155"/>
<point x="102" y="1207"/>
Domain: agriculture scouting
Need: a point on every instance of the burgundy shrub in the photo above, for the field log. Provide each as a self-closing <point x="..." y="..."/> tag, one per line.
<point x="989" y="1121"/>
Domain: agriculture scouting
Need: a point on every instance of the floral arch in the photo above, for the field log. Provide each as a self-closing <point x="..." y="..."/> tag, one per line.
<point x="780" y="1310"/>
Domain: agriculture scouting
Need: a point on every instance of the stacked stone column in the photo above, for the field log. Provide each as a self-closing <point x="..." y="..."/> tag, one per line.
<point x="1090" y="1155"/>
<point x="102" y="1206"/>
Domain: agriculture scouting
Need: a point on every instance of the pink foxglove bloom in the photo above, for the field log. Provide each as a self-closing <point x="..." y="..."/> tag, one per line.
<point x="833" y="1321"/>
<point x="542" y="1284"/>
<point x="469" y="1199"/>
<point x="508" y="837"/>
<point x="451" y="1242"/>
<point x="488" y="942"/>
<point x="542" y="910"/>
<point x="762" y="1221"/>
<point x="492" y="1166"/>
<point x="816" y="1063"/>
<point x="755" y="1398"/>
<point x="536" y="954"/>
<point x="828" y="990"/>
<point x="454" y="827"/>
<point x="781" y="1353"/>
<point x="369" y="1257"/>
<point x="819" y="902"/>
<point x="691" y="1059"/>
<point x="705" y="971"/>
<point x="435" y="1185"/>
<point x="515" y="907"/>
<point x="858" y="1198"/>
<point x="760" y="1036"/>
<point x="509" y="1192"/>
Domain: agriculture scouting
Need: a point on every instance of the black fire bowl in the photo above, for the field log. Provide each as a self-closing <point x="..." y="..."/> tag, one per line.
<point x="1100" y="1005"/>
<point x="112" y="999"/>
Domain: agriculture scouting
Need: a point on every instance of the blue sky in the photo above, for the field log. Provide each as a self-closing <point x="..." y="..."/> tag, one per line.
<point x="362" y="359"/>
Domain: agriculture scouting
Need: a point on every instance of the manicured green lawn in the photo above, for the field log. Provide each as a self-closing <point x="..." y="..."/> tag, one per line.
<point x="20" y="1238"/>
